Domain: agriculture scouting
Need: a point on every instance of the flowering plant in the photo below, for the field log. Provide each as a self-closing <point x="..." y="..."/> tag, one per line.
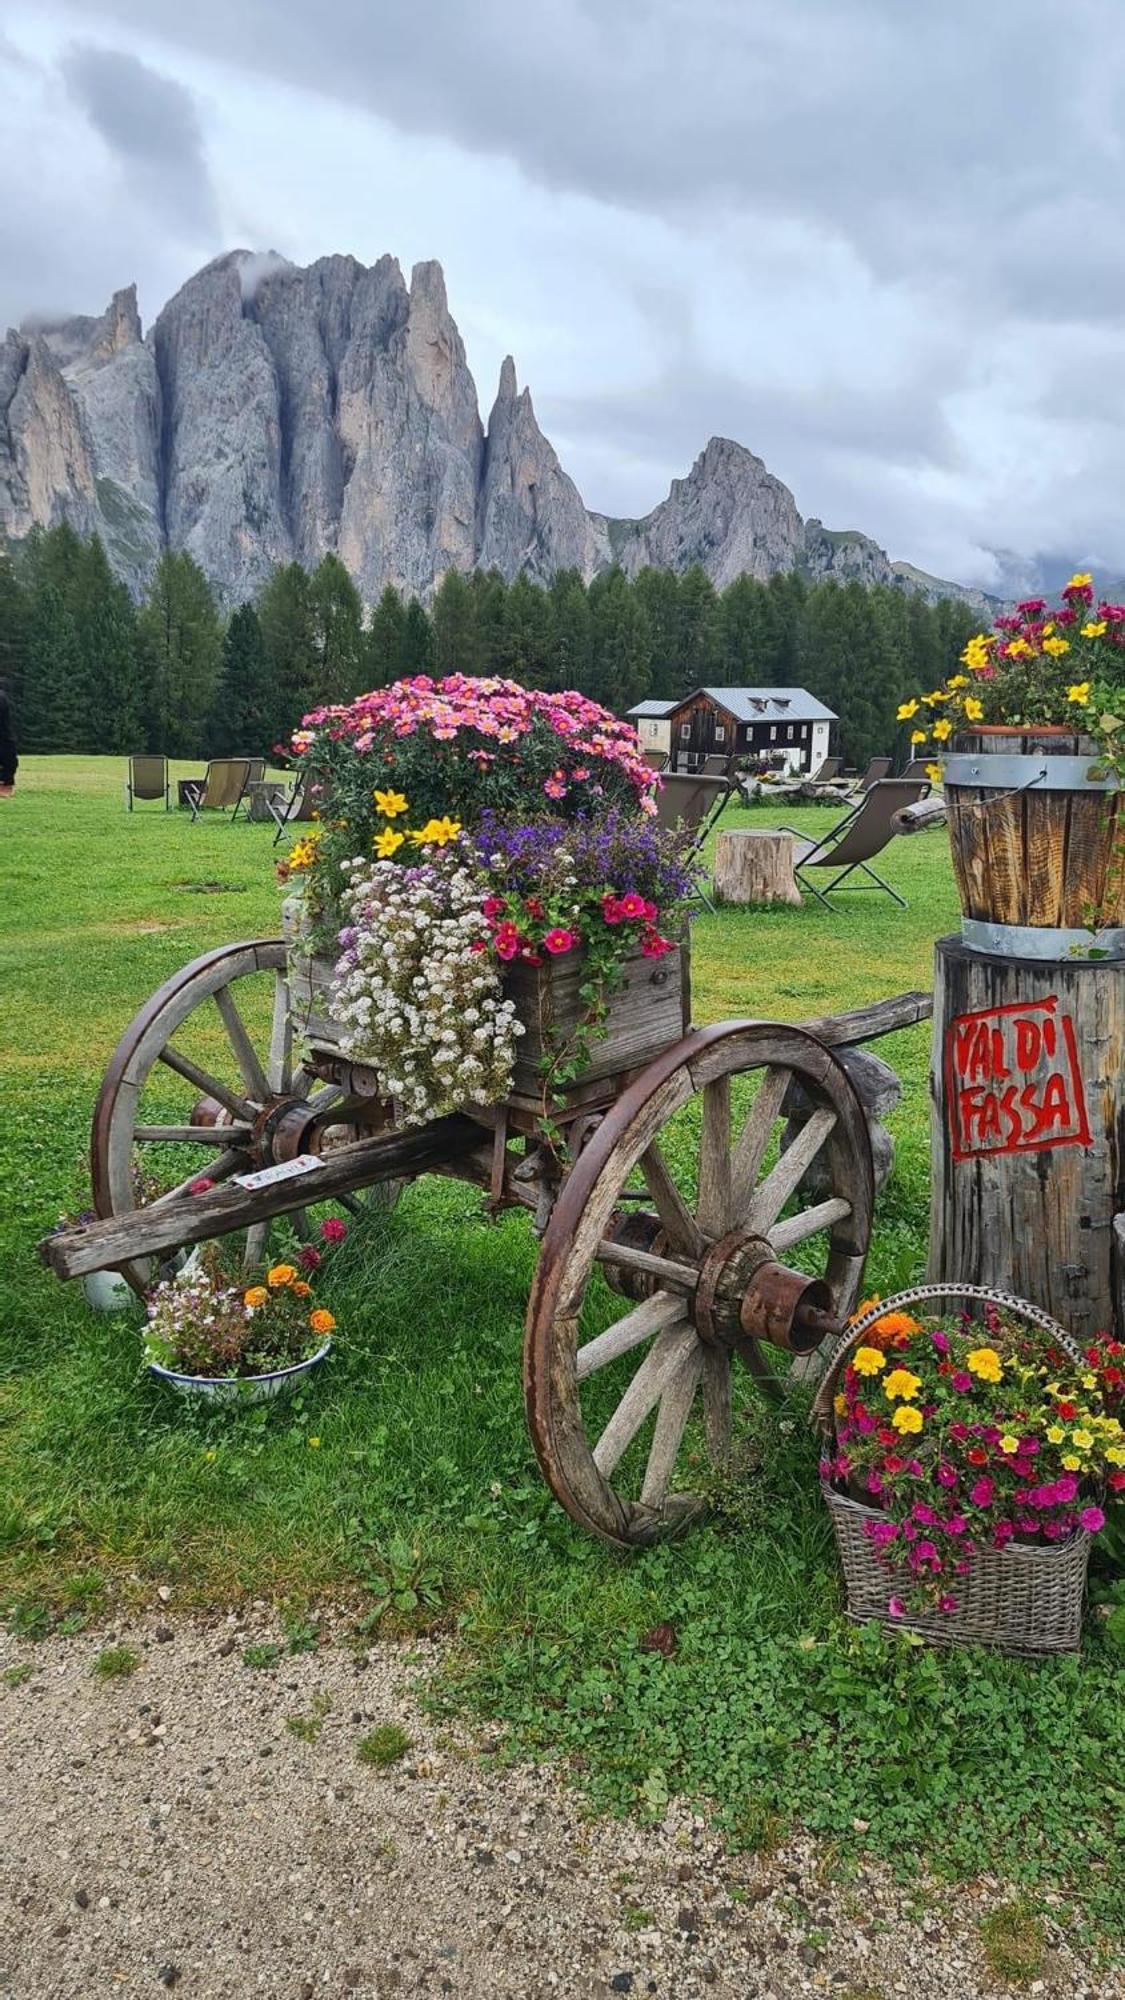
<point x="402" y="769"/>
<point x="201" y="1323"/>
<point x="417" y="993"/>
<point x="963" y="1438"/>
<point x="1037" y="666"/>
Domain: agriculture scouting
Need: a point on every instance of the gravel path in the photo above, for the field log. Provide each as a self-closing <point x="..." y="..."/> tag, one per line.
<point x="169" y="1831"/>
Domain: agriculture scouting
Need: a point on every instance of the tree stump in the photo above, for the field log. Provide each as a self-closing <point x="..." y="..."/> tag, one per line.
<point x="1028" y="1085"/>
<point x="755" y="867"/>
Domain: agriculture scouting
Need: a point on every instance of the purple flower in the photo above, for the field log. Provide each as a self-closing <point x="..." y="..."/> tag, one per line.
<point x="941" y="1342"/>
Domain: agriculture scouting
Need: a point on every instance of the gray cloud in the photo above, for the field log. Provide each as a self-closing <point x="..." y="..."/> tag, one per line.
<point x="150" y="124"/>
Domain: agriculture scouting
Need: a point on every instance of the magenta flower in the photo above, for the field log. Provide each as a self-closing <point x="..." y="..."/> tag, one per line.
<point x="962" y="1381"/>
<point x="1091" y="1518"/>
<point x="1066" y="1486"/>
<point x="946" y="1476"/>
<point x="332" y="1230"/>
<point x="941" y="1342"/>
<point x="981" y="1492"/>
<point x="895" y="1607"/>
<point x="959" y="1431"/>
<point x="558" y="941"/>
<point x="947" y="1603"/>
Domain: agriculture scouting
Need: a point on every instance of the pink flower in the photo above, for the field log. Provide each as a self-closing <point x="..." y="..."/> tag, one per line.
<point x="962" y="1381"/>
<point x="632" y="905"/>
<point x="956" y="1525"/>
<point x="559" y="941"/>
<point x="308" y="1258"/>
<point x="493" y="906"/>
<point x="1066" y="1488"/>
<point x="612" y="910"/>
<point x="554" y="788"/>
<point x="507" y="941"/>
<point x="655" y="946"/>
<point x="895" y="1607"/>
<point x="1091" y="1518"/>
<point x="332" y="1230"/>
<point x="947" y="1603"/>
<point x="981" y="1492"/>
<point x="1002" y="1532"/>
<point x="201" y="1185"/>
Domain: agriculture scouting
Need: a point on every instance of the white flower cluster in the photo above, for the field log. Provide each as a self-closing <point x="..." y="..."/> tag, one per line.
<point x="414" y="999"/>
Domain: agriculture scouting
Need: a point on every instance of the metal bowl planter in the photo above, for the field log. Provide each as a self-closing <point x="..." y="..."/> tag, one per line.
<point x="1025" y="1599"/>
<point x="1038" y="842"/>
<point x="242" y="1388"/>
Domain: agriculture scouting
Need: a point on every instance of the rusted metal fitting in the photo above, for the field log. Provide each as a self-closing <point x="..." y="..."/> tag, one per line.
<point x="787" y="1308"/>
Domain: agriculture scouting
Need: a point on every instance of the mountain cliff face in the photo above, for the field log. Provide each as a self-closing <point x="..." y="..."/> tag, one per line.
<point x="274" y="413"/>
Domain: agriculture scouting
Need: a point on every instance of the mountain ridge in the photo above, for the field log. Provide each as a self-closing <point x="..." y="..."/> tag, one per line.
<point x="275" y="412"/>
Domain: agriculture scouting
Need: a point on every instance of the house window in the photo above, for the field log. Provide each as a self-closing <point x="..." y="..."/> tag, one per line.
<point x="773" y="732"/>
<point x="685" y="732"/>
<point x="789" y="733"/>
<point x="720" y="733"/>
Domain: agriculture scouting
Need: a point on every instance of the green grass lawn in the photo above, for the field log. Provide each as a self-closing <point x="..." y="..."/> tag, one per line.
<point x="405" y="1472"/>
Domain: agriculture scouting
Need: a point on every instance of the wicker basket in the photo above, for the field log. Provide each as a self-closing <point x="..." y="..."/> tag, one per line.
<point x="1025" y="1599"/>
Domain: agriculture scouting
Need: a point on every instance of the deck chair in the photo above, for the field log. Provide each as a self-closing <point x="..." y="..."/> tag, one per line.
<point x="146" y="778"/>
<point x="298" y="804"/>
<point x="694" y="801"/>
<point x="865" y="830"/>
<point x="716" y="766"/>
<point x="655" y="759"/>
<point x="875" y="772"/>
<point x="828" y="769"/>
<point x="221" y="788"/>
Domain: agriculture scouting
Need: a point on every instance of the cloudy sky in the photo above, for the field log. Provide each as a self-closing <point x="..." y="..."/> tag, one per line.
<point x="881" y="243"/>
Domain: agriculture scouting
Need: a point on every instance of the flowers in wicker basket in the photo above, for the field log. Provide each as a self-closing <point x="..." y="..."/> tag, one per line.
<point x="961" y="1435"/>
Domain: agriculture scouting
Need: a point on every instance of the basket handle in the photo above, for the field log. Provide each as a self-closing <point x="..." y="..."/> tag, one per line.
<point x="839" y="1351"/>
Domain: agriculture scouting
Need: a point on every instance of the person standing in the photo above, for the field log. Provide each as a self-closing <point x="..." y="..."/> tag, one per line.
<point x="9" y="758"/>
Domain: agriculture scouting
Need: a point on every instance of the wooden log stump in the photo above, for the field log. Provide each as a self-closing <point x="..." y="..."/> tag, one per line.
<point x="1028" y="1085"/>
<point x="753" y="866"/>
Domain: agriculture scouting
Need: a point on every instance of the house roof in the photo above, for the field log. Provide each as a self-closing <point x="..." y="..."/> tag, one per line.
<point x="768" y="704"/>
<point x="652" y="708"/>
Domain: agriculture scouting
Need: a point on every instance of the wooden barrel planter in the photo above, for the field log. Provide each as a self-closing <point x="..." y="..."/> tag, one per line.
<point x="1038" y="842"/>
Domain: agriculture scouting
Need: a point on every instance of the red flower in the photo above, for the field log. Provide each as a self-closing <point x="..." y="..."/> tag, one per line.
<point x="633" y="905"/>
<point x="976" y="1456"/>
<point x="507" y="941"/>
<point x="493" y="906"/>
<point x="655" y="946"/>
<point x="333" y="1230"/>
<point x="612" y="910"/>
<point x="1068" y="1412"/>
<point x="534" y="907"/>
<point x="308" y="1258"/>
<point x="1117" y="1479"/>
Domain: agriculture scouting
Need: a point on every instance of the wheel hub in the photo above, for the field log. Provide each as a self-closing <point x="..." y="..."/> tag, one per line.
<point x="742" y="1295"/>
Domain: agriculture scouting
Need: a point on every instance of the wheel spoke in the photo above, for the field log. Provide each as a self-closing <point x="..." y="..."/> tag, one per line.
<point x="714" y="1160"/>
<point x="281" y="1038"/>
<point x="777" y="1187"/>
<point x="301" y="1226"/>
<point x="716" y="1403"/>
<point x="208" y="1084"/>
<point x="191" y="1135"/>
<point x="217" y="1170"/>
<point x="754" y="1138"/>
<point x="245" y="1054"/>
<point x="671" y="1423"/>
<point x="680" y="1226"/>
<point x="682" y="1277"/>
<point x="640" y="1324"/>
<point x="257" y="1236"/>
<point x="796" y="1228"/>
<point x="668" y="1350"/>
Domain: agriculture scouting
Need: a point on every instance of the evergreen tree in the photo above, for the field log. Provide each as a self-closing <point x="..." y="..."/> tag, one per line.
<point x="50" y="710"/>
<point x="14" y="612"/>
<point x="698" y="629"/>
<point x="289" y="634"/>
<point x="336" y="614"/>
<point x="658" y="593"/>
<point x="572" y="658"/>
<point x="182" y="640"/>
<point x="455" y="628"/>
<point x="529" y="633"/>
<point x="620" y="641"/>
<point x="417" y="655"/>
<point x="386" y="640"/>
<point x="750" y="641"/>
<point x="105" y="626"/>
<point x="246" y="719"/>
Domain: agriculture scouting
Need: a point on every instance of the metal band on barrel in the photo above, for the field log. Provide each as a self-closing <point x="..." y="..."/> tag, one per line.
<point x="1012" y="773"/>
<point x="1040" y="941"/>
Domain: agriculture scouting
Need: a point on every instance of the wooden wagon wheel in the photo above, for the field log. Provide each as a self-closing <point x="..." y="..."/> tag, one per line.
<point x="240" y="1093"/>
<point x="699" y="1266"/>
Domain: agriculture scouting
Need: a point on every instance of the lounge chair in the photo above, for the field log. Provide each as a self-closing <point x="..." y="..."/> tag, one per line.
<point x="715" y="766"/>
<point x="298" y="804"/>
<point x="146" y="778"/>
<point x="222" y="786"/>
<point x="877" y="769"/>
<point x="695" y="802"/>
<point x="828" y="769"/>
<point x="855" y="840"/>
<point x="655" y="759"/>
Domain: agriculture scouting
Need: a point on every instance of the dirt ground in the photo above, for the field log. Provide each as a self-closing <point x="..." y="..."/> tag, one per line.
<point x="170" y="1831"/>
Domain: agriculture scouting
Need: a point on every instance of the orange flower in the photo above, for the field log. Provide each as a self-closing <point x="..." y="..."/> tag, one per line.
<point x="301" y="1290"/>
<point x="321" y="1321"/>
<point x="256" y="1296"/>
<point x="896" y="1325"/>
<point x="281" y="1274"/>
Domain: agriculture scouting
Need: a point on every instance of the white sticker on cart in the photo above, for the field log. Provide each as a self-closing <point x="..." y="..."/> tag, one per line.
<point x="287" y="1171"/>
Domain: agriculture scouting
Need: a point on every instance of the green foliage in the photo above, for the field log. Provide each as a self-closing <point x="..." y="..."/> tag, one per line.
<point x="339" y="661"/>
<point x="181" y="640"/>
<point x="404" y="1586"/>
<point x="14" y="1677"/>
<point x="246" y="718"/>
<point x="264" y="1654"/>
<point x="307" y="1728"/>
<point x="115" y="1663"/>
<point x="383" y="1746"/>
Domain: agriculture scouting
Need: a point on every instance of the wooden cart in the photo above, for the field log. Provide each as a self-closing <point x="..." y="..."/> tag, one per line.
<point x="667" y="1180"/>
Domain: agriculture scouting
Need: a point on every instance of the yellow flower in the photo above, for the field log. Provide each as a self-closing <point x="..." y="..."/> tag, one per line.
<point x="975" y="655"/>
<point x="900" y="1382"/>
<point x="1019" y="649"/>
<point x="1079" y="693"/>
<point x="1089" y="1381"/>
<point x="1072" y="1461"/>
<point x="840" y="1405"/>
<point x="387" y="843"/>
<point x="957" y="681"/>
<point x="942" y="729"/>
<point x="1094" y="629"/>
<point x="321" y="1321"/>
<point x="868" y="1361"/>
<point x="1048" y="629"/>
<point x="1083" y="1439"/>
<point x="1056" y="1434"/>
<point x="974" y="709"/>
<point x="1081" y="580"/>
<point x="907" y="710"/>
<point x="1056" y="647"/>
<point x="917" y="736"/>
<point x="1009" y="1444"/>
<point x="1115" y="1454"/>
<point x="256" y="1296"/>
<point x="314" y="1444"/>
<point x="907" y="1418"/>
<point x="934" y="773"/>
<point x="939" y="694"/>
<point x="281" y="1274"/>
<point x="985" y="1363"/>
<point x="390" y="804"/>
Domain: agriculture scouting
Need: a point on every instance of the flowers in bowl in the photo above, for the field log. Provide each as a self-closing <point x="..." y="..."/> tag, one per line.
<point x="203" y="1327"/>
<point x="1038" y="666"/>
<point x="961" y="1437"/>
